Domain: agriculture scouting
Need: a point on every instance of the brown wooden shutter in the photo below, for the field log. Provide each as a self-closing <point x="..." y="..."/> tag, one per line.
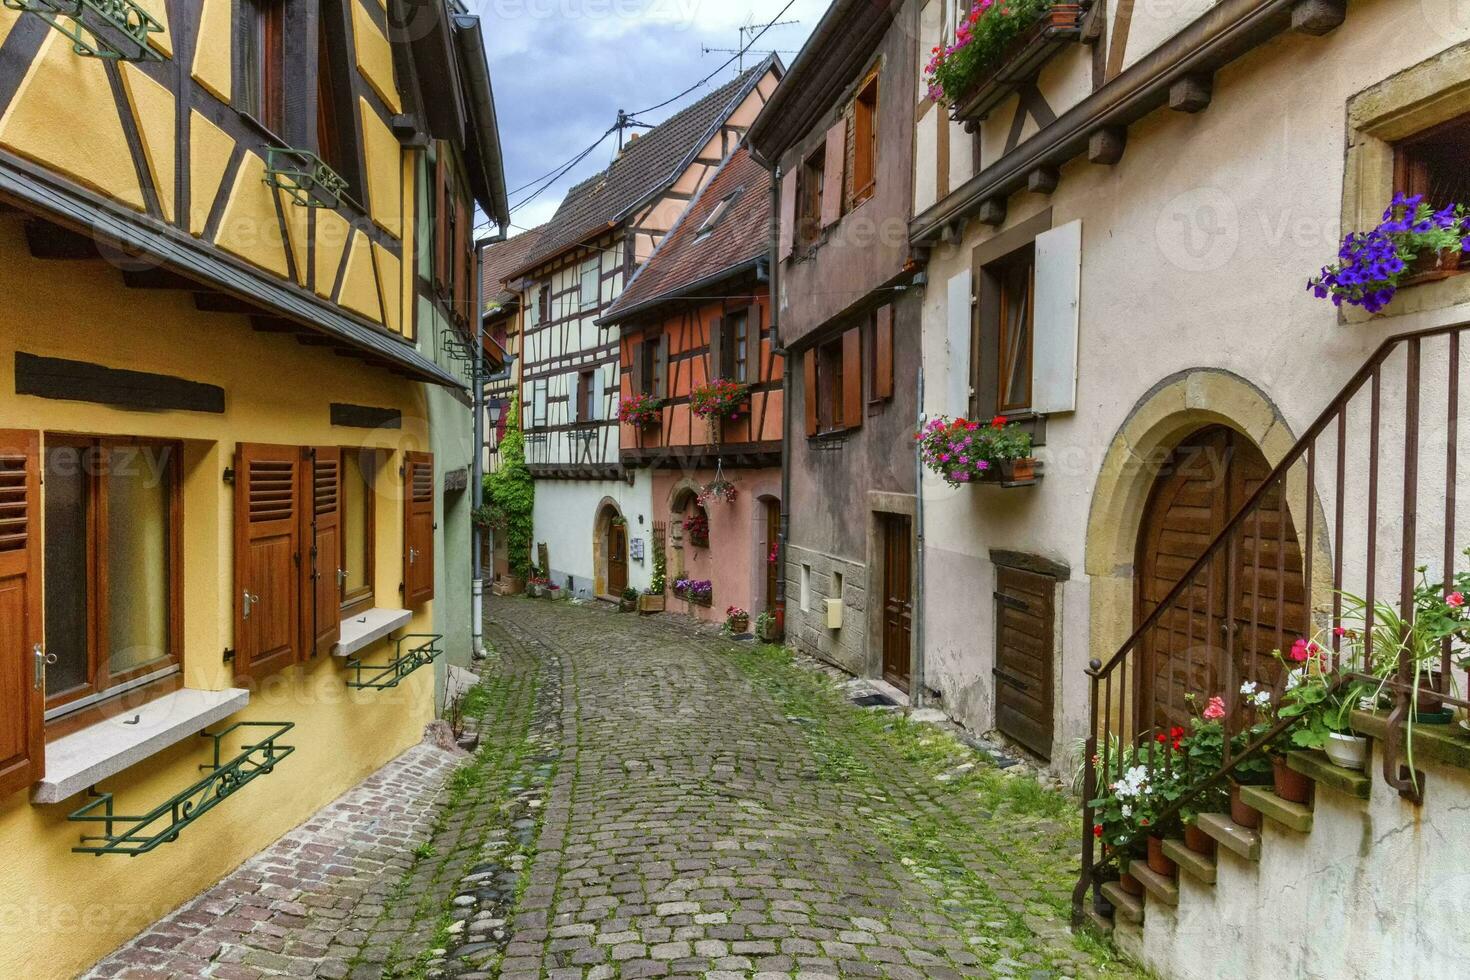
<point x="441" y="217"/>
<point x="833" y="173"/>
<point x="883" y="353"/>
<point x="717" y="362"/>
<point x="418" y="528"/>
<point x="661" y="367"/>
<point x="852" y="379"/>
<point x="461" y="257"/>
<point x="787" y="230"/>
<point x="22" y="683"/>
<point x="268" y="523"/>
<point x="326" y="555"/>
<point x="753" y="367"/>
<point x="809" y="391"/>
<point x="638" y="366"/>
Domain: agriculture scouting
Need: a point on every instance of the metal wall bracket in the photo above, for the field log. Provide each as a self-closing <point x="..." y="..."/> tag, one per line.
<point x="81" y="21"/>
<point x="381" y="677"/>
<point x="303" y="175"/>
<point x="161" y="825"/>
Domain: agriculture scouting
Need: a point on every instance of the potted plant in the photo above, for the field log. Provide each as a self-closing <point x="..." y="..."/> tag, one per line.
<point x="1414" y="242"/>
<point x="537" y="586"/>
<point x="766" y="628"/>
<point x="718" y="489"/>
<point x="681" y="587"/>
<point x="964" y="451"/>
<point x="1204" y="755"/>
<point x="700" y="592"/>
<point x="987" y="39"/>
<point x="555" y="591"/>
<point x="696" y="525"/>
<point x="719" y="399"/>
<point x="629" y="600"/>
<point x="737" y="620"/>
<point x="651" y="602"/>
<point x="640" y="411"/>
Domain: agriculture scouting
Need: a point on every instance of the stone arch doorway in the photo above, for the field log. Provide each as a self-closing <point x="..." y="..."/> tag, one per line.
<point x="610" y="550"/>
<point x="1250" y="599"/>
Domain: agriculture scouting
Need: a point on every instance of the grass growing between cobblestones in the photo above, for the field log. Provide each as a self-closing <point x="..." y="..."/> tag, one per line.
<point x="1012" y="889"/>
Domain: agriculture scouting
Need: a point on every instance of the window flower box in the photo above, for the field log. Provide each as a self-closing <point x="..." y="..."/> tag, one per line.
<point x="1001" y="44"/>
<point x="964" y="451"/>
<point x="1414" y="243"/>
<point x="641" y="411"/>
<point x="719" y="400"/>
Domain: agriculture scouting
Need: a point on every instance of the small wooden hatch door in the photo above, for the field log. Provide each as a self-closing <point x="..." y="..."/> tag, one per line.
<point x="1025" y="653"/>
<point x="898" y="608"/>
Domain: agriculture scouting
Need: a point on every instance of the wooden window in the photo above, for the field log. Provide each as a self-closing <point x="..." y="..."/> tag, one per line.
<point x="1003" y="349"/>
<point x="538" y="403"/>
<point x="262" y="75"/>
<point x="648" y="360"/>
<point x="113" y="601"/>
<point x="331" y="145"/>
<point x="1436" y="163"/>
<point x="809" y="203"/>
<point x="716" y="213"/>
<point x="834" y="384"/>
<point x="585" y="394"/>
<point x="865" y="141"/>
<point x="737" y="330"/>
<point x="543" y="303"/>
<point x="418" y="528"/>
<point x="358" y="520"/>
<point x="22" y="698"/>
<point x="588" y="283"/>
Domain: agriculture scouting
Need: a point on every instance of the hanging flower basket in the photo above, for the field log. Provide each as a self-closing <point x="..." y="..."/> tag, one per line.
<point x="1413" y="243"/>
<point x="719" y="399"/>
<point x="641" y="411"/>
<point x="999" y="44"/>
<point x="963" y="451"/>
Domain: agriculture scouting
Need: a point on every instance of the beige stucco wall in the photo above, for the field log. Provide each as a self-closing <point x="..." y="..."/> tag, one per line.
<point x="1196" y="252"/>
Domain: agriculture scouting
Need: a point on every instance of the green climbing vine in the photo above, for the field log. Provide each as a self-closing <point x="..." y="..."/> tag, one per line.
<point x="510" y="495"/>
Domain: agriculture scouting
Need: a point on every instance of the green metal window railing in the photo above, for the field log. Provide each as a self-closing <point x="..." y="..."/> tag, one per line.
<point x="381" y="677"/>
<point x="92" y="26"/>
<point x="303" y="175"/>
<point x="138" y="835"/>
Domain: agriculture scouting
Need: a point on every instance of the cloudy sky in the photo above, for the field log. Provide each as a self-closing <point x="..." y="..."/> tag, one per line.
<point x="563" y="68"/>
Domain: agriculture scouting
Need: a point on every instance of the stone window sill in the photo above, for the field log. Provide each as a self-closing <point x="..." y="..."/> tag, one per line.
<point x="87" y="757"/>
<point x="366" y="628"/>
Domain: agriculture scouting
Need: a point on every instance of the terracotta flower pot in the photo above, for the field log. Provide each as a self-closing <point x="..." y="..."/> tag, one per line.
<point x="1431" y="685"/>
<point x="1130" y="884"/>
<point x="1247" y="816"/>
<point x="1289" y="784"/>
<point x="1431" y="266"/>
<point x="741" y="625"/>
<point x="1158" y="862"/>
<point x="1198" y="841"/>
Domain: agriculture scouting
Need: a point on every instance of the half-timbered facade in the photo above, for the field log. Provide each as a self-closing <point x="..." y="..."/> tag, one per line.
<point x="699" y="311"/>
<point x="1122" y="213"/>
<point x="605" y="228"/>
<point x="838" y="136"/>
<point x="234" y="235"/>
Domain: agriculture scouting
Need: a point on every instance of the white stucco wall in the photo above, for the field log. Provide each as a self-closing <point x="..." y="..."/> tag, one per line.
<point x="565" y="516"/>
<point x="1196" y="252"/>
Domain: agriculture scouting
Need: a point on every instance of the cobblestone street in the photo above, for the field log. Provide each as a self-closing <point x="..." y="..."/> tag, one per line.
<point x="648" y="802"/>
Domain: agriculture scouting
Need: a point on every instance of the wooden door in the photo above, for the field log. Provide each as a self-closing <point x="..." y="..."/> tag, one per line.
<point x="1025" y="653"/>
<point x="617" y="559"/>
<point x="22" y="679"/>
<point x="418" y="528"/>
<point x="898" y="609"/>
<point x="325" y="576"/>
<point x="268" y="523"/>
<point x="773" y="543"/>
<point x="1206" y="481"/>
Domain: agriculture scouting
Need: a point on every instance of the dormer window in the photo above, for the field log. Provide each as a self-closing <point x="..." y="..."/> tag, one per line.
<point x="716" y="214"/>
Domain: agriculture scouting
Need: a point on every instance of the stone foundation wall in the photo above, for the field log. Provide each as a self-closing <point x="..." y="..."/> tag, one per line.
<point x="807" y="629"/>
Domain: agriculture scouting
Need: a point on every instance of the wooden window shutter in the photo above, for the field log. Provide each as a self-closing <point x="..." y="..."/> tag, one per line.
<point x="661" y="368"/>
<point x="883" y="353"/>
<point x="461" y="258"/>
<point x="809" y="390"/>
<point x="326" y="552"/>
<point x="717" y="362"/>
<point x="833" y="173"/>
<point x="788" y="214"/>
<point x="753" y="369"/>
<point x="638" y="366"/>
<point x="418" y="528"/>
<point x="22" y="685"/>
<point x="268" y="522"/>
<point x="852" y="379"/>
<point x="441" y="217"/>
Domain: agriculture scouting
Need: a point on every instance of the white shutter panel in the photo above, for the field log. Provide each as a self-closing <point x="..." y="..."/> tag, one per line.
<point x="957" y="343"/>
<point x="1058" y="296"/>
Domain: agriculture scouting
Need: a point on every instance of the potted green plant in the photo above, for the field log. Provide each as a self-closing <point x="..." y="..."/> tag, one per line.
<point x="766" y="628"/>
<point x="737" y="620"/>
<point x="537" y="586"/>
<point x="1414" y="242"/>
<point x="963" y="451"/>
<point x="629" y="600"/>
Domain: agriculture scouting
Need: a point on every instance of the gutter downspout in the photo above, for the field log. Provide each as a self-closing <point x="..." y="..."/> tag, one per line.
<point x="477" y="463"/>
<point x="783" y="534"/>
<point x="918" y="697"/>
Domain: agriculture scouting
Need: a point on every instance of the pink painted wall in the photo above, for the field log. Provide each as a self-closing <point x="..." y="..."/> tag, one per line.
<point x="736" y="559"/>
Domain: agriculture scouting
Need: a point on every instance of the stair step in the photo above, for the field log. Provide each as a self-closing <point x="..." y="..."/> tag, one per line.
<point x="1231" y="835"/>
<point x="1200" y="867"/>
<point x="1099" y="921"/>
<point x="1158" y="886"/>
<point x="1293" y="816"/>
<point x="1322" y="770"/>
<point x="1124" y="904"/>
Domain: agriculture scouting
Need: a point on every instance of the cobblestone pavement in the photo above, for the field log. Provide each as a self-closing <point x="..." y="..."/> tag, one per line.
<point x="649" y="801"/>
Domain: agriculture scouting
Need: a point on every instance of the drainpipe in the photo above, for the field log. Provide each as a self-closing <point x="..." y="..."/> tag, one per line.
<point x="918" y="696"/>
<point x="477" y="462"/>
<point x="784" y="532"/>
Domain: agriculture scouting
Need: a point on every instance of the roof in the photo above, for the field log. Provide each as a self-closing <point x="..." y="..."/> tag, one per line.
<point x="687" y="259"/>
<point x="499" y="260"/>
<point x="646" y="167"/>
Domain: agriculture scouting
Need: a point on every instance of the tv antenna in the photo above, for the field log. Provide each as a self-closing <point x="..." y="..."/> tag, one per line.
<point x="751" y="29"/>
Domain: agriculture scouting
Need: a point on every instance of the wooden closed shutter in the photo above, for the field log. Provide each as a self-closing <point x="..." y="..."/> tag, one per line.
<point x="787" y="230"/>
<point x="326" y="553"/>
<point x="268" y="521"/>
<point x="883" y="353"/>
<point x="638" y="366"/>
<point x="1024" y="655"/>
<point x="852" y="379"/>
<point x="833" y="174"/>
<point x="441" y="216"/>
<point x="717" y="363"/>
<point x="461" y="257"/>
<point x="418" y="528"/>
<point x="809" y="391"/>
<point x="661" y="367"/>
<point x="22" y="681"/>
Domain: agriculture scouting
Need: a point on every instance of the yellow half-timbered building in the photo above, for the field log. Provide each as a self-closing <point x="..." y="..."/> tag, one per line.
<point x="233" y="235"/>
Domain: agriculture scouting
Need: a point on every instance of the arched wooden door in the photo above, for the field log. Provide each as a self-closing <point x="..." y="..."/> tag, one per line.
<point x="1205" y="483"/>
<point x="617" y="558"/>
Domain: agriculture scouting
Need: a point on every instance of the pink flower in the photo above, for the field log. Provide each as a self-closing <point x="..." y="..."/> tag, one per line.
<point x="1304" y="649"/>
<point x="1455" y="599"/>
<point x="1215" y="710"/>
